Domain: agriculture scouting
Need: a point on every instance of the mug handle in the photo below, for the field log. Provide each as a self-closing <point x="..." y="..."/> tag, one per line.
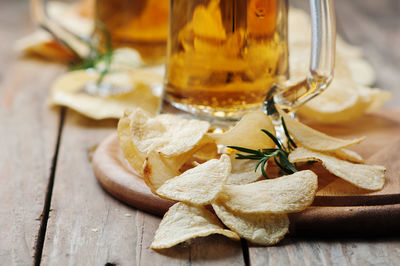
<point x="78" y="45"/>
<point x="322" y="63"/>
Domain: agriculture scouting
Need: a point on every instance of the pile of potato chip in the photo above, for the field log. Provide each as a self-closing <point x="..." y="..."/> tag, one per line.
<point x="181" y="160"/>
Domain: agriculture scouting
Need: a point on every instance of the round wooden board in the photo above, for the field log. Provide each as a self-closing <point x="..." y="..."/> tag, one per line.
<point x="339" y="208"/>
<point x="120" y="180"/>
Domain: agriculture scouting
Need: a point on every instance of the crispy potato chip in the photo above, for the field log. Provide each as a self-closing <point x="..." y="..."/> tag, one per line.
<point x="183" y="222"/>
<point x="139" y="134"/>
<point x="41" y="44"/>
<point x="375" y="98"/>
<point x="264" y="229"/>
<point x="371" y="177"/>
<point x="361" y="71"/>
<point x="291" y="193"/>
<point x="131" y="153"/>
<point x="348" y="155"/>
<point x="167" y="134"/>
<point x="199" y="185"/>
<point x="341" y="102"/>
<point x="157" y="170"/>
<point x="69" y="90"/>
<point x="247" y="132"/>
<point x="207" y="151"/>
<point x="243" y="171"/>
<point x="314" y="139"/>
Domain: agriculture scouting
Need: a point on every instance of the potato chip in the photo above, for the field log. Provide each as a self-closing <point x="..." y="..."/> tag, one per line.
<point x="41" y="44"/>
<point x="183" y="222"/>
<point x="139" y="134"/>
<point x="69" y="90"/>
<point x="157" y="170"/>
<point x="207" y="151"/>
<point x="243" y="171"/>
<point x="291" y="193"/>
<point x="199" y="185"/>
<point x="361" y="71"/>
<point x="340" y="103"/>
<point x="247" y="132"/>
<point x="375" y="98"/>
<point x="131" y="153"/>
<point x="264" y="229"/>
<point x="348" y="155"/>
<point x="313" y="139"/>
<point x="371" y="177"/>
<point x="167" y="134"/>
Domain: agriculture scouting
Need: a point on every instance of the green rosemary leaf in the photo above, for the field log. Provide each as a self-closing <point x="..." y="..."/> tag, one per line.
<point x="283" y="158"/>
<point x="258" y="164"/>
<point x="282" y="167"/>
<point x="291" y="144"/>
<point x="250" y="157"/>
<point x="263" y="169"/>
<point x="245" y="150"/>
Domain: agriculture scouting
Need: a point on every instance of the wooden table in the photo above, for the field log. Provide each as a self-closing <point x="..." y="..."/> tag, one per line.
<point x="53" y="212"/>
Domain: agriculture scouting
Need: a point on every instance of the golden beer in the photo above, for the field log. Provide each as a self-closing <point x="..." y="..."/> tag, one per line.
<point x="139" y="24"/>
<point x="225" y="55"/>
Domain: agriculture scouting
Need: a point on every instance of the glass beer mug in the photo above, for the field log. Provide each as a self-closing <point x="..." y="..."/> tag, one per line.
<point x="138" y="24"/>
<point x="226" y="57"/>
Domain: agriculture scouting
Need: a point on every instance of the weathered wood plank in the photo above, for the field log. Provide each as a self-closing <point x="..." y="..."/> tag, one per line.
<point x="28" y="136"/>
<point x="328" y="252"/>
<point x="88" y="227"/>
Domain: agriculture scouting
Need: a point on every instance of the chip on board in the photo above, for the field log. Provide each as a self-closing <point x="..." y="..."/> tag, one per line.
<point x="348" y="155"/>
<point x="168" y="134"/>
<point x="263" y="229"/>
<point x="183" y="222"/>
<point x="173" y="137"/>
<point x="156" y="171"/>
<point x="131" y="153"/>
<point x="286" y="194"/>
<point x="313" y="139"/>
<point x="247" y="132"/>
<point x="199" y="185"/>
<point x="370" y="177"/>
<point x="243" y="171"/>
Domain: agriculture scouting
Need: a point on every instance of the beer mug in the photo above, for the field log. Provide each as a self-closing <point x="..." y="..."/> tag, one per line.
<point x="138" y="24"/>
<point x="226" y="57"/>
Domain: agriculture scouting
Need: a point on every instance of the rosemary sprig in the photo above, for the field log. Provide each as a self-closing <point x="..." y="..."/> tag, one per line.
<point x="97" y="55"/>
<point x="280" y="154"/>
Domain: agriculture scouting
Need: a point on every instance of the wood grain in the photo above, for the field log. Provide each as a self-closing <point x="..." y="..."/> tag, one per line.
<point x="28" y="136"/>
<point x="27" y="151"/>
<point x="322" y="251"/>
<point x="88" y="227"/>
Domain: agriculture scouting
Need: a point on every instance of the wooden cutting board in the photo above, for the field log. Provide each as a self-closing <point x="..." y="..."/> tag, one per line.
<point x="339" y="207"/>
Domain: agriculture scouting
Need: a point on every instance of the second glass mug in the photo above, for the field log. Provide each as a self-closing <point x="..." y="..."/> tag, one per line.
<point x="138" y="24"/>
<point x="226" y="57"/>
